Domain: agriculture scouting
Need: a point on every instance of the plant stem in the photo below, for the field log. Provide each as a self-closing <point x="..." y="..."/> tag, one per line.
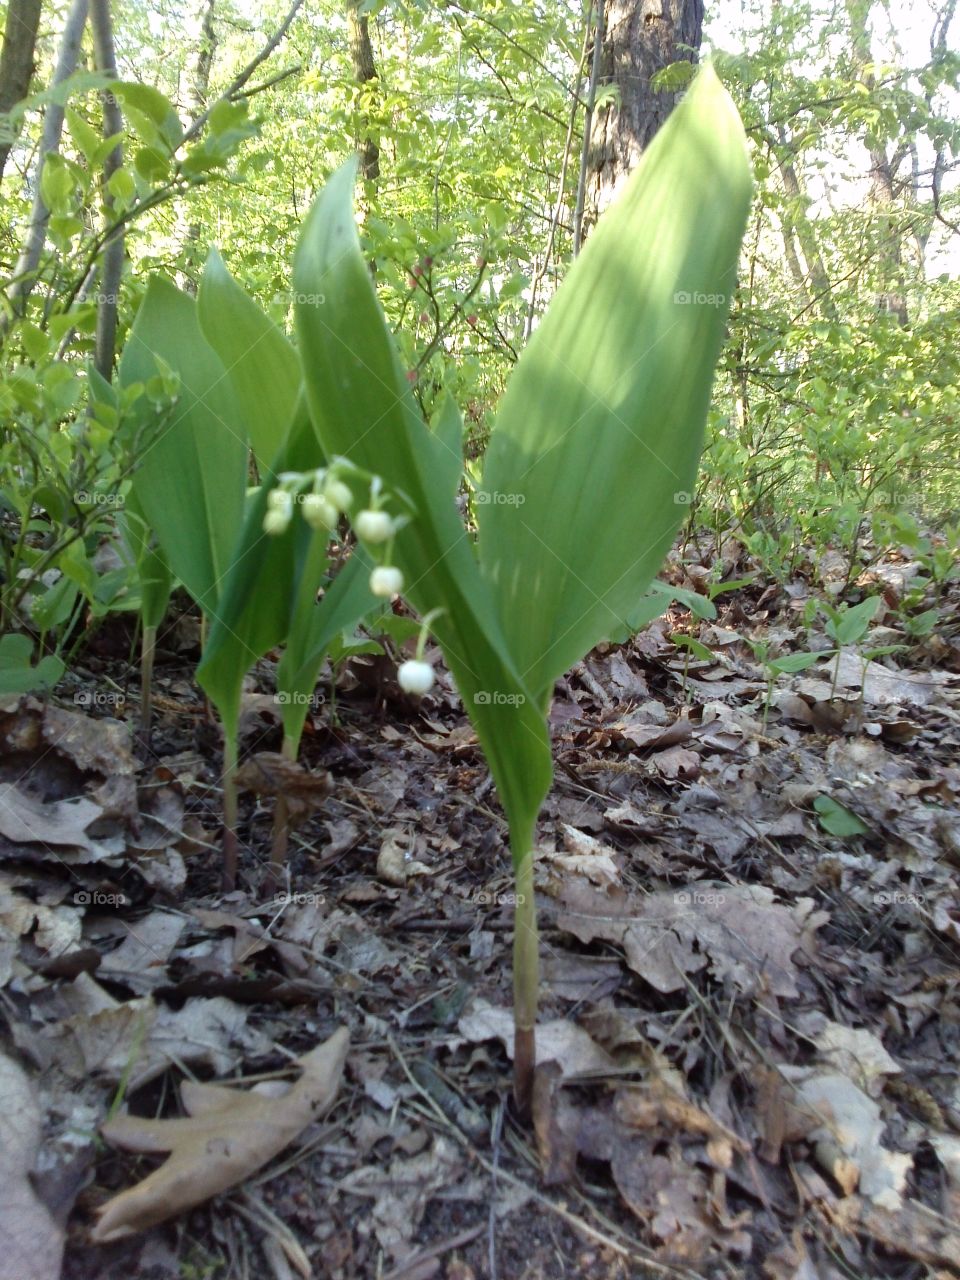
<point x="229" y="812"/>
<point x="526" y="982"/>
<point x="281" y="828"/>
<point x="148" y="647"/>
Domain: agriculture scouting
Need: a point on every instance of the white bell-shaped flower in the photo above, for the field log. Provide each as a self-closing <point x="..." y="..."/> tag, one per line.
<point x="415" y="677"/>
<point x="318" y="512"/>
<point x="373" y="526"/>
<point x="386" y="581"/>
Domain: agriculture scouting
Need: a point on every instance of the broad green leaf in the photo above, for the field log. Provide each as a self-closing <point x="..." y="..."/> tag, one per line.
<point x="16" y="673"/>
<point x="697" y="649"/>
<point x="259" y="360"/>
<point x="190" y="479"/>
<point x="151" y="114"/>
<point x="836" y="819"/>
<point x="153" y="571"/>
<point x="363" y="410"/>
<point x="595" y="448"/>
<point x="447" y="426"/>
<point x="55" y="605"/>
<point x="851" y="625"/>
<point x="791" y="663"/>
<point x="253" y="613"/>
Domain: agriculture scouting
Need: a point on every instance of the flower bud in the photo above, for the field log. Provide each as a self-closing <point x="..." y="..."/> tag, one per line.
<point x="280" y="500"/>
<point x="337" y="493"/>
<point x="276" y="522"/>
<point x="386" y="582"/>
<point x="373" y="526"/>
<point x="415" y="677"/>
<point x="318" y="512"/>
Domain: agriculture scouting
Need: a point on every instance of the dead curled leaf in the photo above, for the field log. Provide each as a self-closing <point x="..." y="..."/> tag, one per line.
<point x="268" y="773"/>
<point x="227" y="1137"/>
<point x="32" y="1242"/>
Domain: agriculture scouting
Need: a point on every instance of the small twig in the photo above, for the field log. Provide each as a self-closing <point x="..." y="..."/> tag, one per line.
<point x="412" y="1265"/>
<point x="492" y="1218"/>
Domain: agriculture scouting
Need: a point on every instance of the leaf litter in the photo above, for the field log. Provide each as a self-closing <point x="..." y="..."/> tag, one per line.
<point x="746" y="1060"/>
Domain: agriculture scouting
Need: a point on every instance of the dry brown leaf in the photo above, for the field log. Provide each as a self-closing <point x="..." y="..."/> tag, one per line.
<point x="268" y="773"/>
<point x="395" y="861"/>
<point x="93" y="746"/>
<point x="847" y="1127"/>
<point x="878" y="685"/>
<point x="32" y="1242"/>
<point x="740" y="931"/>
<point x="557" y="1041"/>
<point x="25" y="820"/>
<point x="400" y="1192"/>
<point x="228" y="1136"/>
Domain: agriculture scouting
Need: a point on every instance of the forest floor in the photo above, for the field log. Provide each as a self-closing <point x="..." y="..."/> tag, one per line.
<point x="750" y="1012"/>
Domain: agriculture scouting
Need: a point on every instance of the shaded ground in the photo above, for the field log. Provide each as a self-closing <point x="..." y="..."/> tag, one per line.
<point x="750" y="926"/>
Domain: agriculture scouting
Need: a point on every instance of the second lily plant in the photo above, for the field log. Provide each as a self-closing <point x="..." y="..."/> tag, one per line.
<point x="586" y="478"/>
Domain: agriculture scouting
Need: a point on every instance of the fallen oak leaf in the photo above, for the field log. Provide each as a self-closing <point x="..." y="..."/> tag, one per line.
<point x="228" y="1136"/>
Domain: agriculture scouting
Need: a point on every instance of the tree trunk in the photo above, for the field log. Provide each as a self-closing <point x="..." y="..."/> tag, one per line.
<point x="797" y="224"/>
<point x="891" y="298"/>
<point x="111" y="265"/>
<point x="199" y="94"/>
<point x="364" y="70"/>
<point x="640" y="37"/>
<point x="16" y="60"/>
<point x="53" y="118"/>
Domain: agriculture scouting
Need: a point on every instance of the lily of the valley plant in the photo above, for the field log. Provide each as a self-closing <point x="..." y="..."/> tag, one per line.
<point x="594" y="449"/>
<point x="585" y="482"/>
